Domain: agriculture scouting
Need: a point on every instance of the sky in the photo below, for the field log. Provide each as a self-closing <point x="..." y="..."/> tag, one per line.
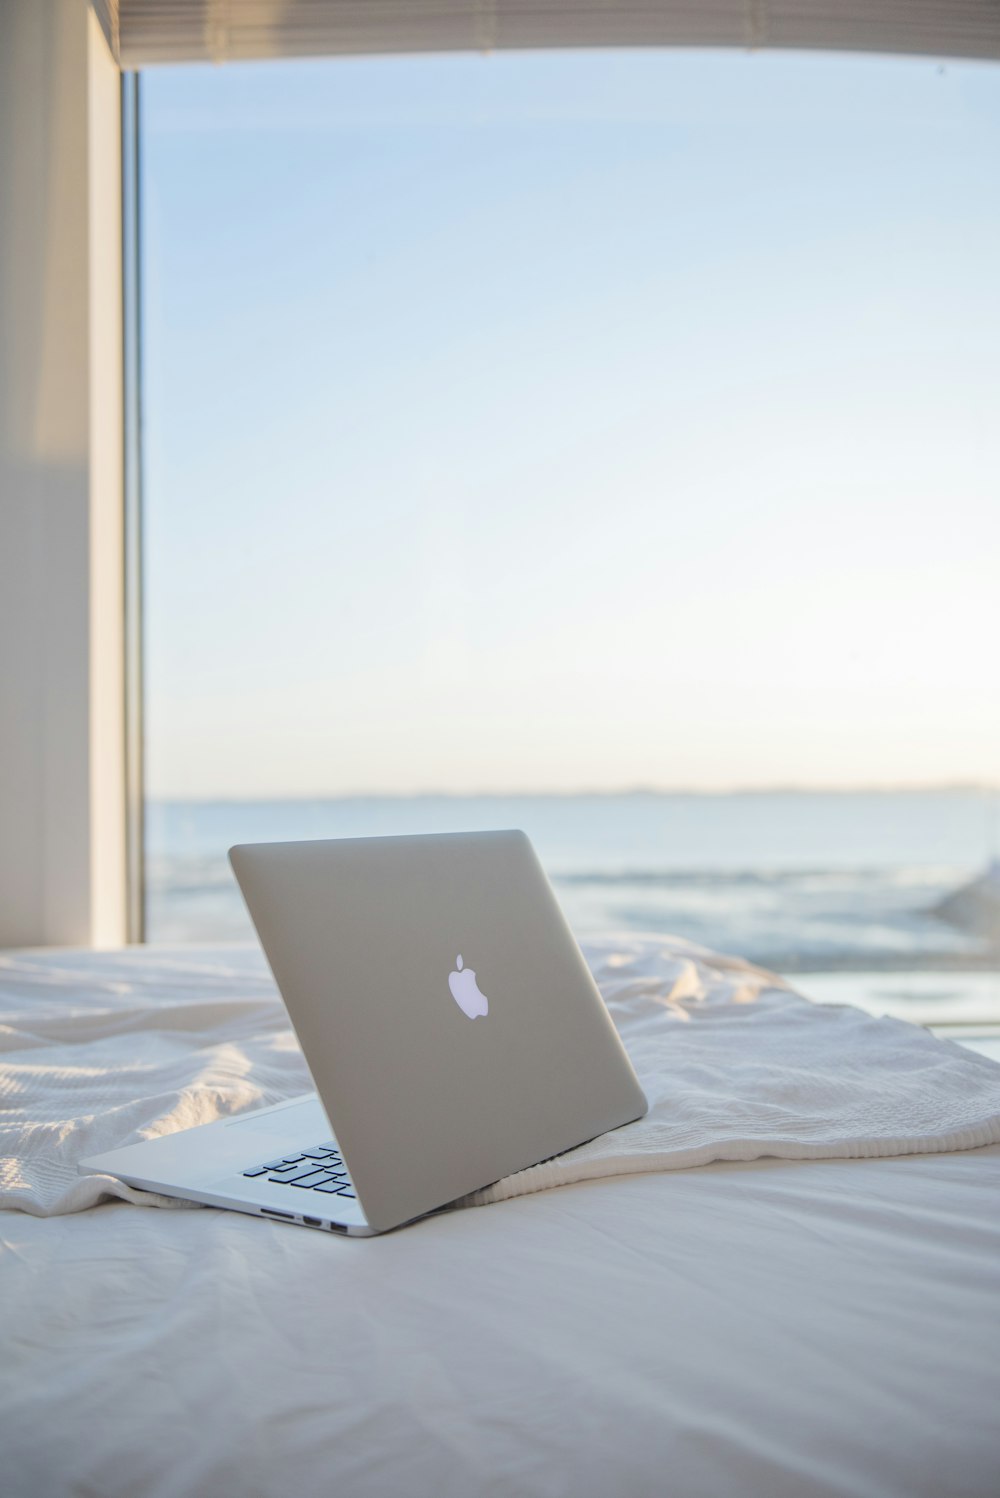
<point x="571" y="421"/>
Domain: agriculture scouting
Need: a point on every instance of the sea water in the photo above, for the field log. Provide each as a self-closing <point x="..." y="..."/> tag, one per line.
<point x="795" y="881"/>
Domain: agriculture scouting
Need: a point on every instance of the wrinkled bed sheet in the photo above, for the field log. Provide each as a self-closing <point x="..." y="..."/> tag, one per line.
<point x="100" y="1050"/>
<point x="774" y="1329"/>
<point x="771" y="1330"/>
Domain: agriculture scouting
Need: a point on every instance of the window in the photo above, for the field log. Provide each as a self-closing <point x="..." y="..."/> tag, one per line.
<point x="602" y="443"/>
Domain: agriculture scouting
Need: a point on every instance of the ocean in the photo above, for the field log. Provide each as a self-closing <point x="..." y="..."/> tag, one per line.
<point x="800" y="882"/>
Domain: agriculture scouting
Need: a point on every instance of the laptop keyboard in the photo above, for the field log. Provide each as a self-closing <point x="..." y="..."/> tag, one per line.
<point x="317" y="1169"/>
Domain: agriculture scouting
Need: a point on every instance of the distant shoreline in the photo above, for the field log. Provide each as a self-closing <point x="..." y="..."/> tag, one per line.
<point x="651" y="793"/>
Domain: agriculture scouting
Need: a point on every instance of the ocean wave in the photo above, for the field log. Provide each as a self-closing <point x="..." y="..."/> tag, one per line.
<point x="932" y="877"/>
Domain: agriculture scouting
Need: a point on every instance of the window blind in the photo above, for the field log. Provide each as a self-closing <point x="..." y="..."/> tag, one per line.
<point x="144" y="32"/>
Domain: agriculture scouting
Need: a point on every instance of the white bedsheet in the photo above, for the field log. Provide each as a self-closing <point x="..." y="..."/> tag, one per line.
<point x="776" y="1329"/>
<point x="772" y="1330"/>
<point x="99" y="1050"/>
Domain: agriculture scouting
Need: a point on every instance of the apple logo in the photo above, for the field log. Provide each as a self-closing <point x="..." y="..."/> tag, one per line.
<point x="465" y="991"/>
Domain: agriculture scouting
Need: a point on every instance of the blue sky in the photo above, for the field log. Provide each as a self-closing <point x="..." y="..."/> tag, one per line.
<point x="572" y="420"/>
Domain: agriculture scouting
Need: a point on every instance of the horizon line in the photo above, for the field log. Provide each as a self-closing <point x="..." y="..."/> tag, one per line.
<point x="924" y="788"/>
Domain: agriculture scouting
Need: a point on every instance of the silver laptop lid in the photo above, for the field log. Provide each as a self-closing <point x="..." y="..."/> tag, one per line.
<point x="450" y="1023"/>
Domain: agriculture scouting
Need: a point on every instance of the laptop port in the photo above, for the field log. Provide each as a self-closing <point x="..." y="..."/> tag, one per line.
<point x="312" y="1222"/>
<point x="337" y="1227"/>
<point x="270" y="1212"/>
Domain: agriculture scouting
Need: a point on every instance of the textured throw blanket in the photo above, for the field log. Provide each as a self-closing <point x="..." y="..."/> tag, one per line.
<point x="100" y="1049"/>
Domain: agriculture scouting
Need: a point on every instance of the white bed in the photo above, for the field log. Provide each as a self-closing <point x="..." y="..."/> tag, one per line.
<point x="779" y="1327"/>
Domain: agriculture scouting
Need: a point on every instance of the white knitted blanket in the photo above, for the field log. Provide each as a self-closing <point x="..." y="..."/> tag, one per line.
<point x="100" y="1049"/>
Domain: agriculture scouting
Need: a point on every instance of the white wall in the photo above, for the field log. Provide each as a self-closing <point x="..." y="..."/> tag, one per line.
<point x="62" y="845"/>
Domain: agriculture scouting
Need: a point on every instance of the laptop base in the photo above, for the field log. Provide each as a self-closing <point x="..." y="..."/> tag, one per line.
<point x="206" y="1164"/>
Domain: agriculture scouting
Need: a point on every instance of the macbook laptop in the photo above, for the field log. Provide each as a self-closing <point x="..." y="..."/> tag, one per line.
<point x="452" y="1029"/>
